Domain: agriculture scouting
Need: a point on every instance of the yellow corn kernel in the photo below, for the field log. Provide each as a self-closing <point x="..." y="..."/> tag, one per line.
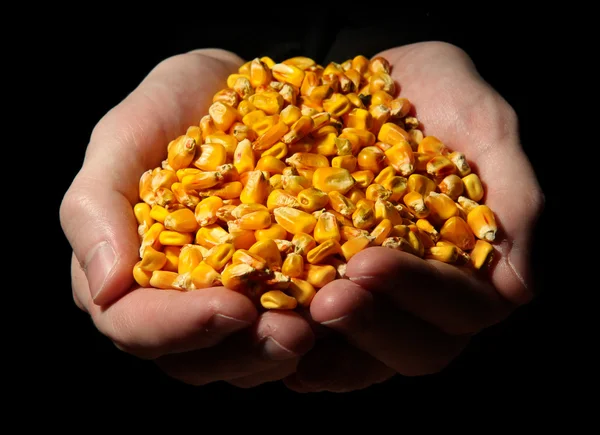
<point x="452" y="186"/>
<point x="371" y="158"/>
<point x="416" y="204"/>
<point x="381" y="231"/>
<point x="186" y="171"/>
<point x="166" y="280"/>
<point x="401" y="157"/>
<point x="341" y="204"/>
<point x="364" y="216"/>
<point x="243" y="256"/>
<point x="460" y="161"/>
<point x="277" y="300"/>
<point x="380" y="114"/>
<point x="257" y="220"/>
<point x="269" y="102"/>
<point x="285" y="246"/>
<point x="275" y="182"/>
<point x="182" y="220"/>
<point x="329" y="179"/>
<point x="163" y="178"/>
<point x="355" y="100"/>
<point x="425" y="226"/>
<point x="399" y="108"/>
<point x="463" y="257"/>
<point x="386" y="210"/>
<point x="204" y="276"/>
<point x="421" y="161"/>
<point x="348" y="162"/>
<point x="299" y="129"/>
<point x="211" y="156"/>
<point x="300" y="62"/>
<point x="326" y="228"/>
<point x="206" y="212"/>
<point x="164" y="197"/>
<point x="152" y="238"/>
<point x="482" y="254"/>
<point x="256" y="189"/>
<point x="242" y="239"/>
<point x="175" y="238"/>
<point x="202" y="180"/>
<point x="243" y="158"/>
<point x="337" y="105"/>
<point x="232" y="78"/>
<point x="152" y="259"/>
<point x="222" y="115"/>
<point x="420" y="184"/>
<point x="302" y="291"/>
<point x="190" y="256"/>
<point x="358" y="118"/>
<point x="355" y="194"/>
<point x="253" y="117"/>
<point x="270" y="164"/>
<point x="319" y="275"/>
<point x="208" y="127"/>
<point x="400" y="231"/>
<point x="457" y="231"/>
<point x="227" y="96"/>
<point x="361" y="64"/>
<point x="348" y="232"/>
<point x="270" y="137"/>
<point x="273" y="232"/>
<point x="172" y="253"/>
<point x="195" y="133"/>
<point x="294" y="221"/>
<point x="303" y="243"/>
<point x="236" y="276"/>
<point x="294" y="184"/>
<point x="307" y="160"/>
<point x="181" y="152"/>
<point x="219" y="256"/>
<point x="467" y="204"/>
<point x="415" y="242"/>
<point x="398" y="243"/>
<point x="482" y="222"/>
<point x="445" y="254"/>
<point x="243" y="87"/>
<point x="381" y="98"/>
<point x="290" y="114"/>
<point x="440" y="166"/>
<point x="431" y="145"/>
<point x="212" y="235"/>
<point x="386" y="173"/>
<point x="142" y="212"/>
<point x="393" y="134"/>
<point x="141" y="276"/>
<point x="381" y="81"/>
<point x="278" y="151"/>
<point x="184" y="197"/>
<point x="441" y="206"/>
<point x="322" y="251"/>
<point x="226" y="140"/>
<point x="426" y="240"/>
<point x="344" y="146"/>
<point x="379" y="64"/>
<point x="293" y="266"/>
<point x="397" y="185"/>
<point x="416" y="136"/>
<point x="280" y="198"/>
<point x="473" y="187"/>
<point x="353" y="246"/>
<point x="377" y="191"/>
<point x="260" y="73"/>
<point x="268" y="250"/>
<point x="288" y="74"/>
<point x="244" y="209"/>
<point x="312" y="199"/>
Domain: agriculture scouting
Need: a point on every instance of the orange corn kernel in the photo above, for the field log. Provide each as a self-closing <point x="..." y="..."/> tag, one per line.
<point x="294" y="221"/>
<point x="353" y="246"/>
<point x="293" y="266"/>
<point x="326" y="228"/>
<point x="181" y="152"/>
<point x="190" y="256"/>
<point x="211" y="156"/>
<point x="273" y="232"/>
<point x="431" y="145"/>
<point x="182" y="220"/>
<point x="322" y="251"/>
<point x="256" y="189"/>
<point x="457" y="231"/>
<point x="482" y="222"/>
<point x="312" y="199"/>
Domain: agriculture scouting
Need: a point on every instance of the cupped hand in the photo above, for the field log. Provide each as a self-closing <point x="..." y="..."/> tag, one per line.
<point x="409" y="316"/>
<point x="197" y="337"/>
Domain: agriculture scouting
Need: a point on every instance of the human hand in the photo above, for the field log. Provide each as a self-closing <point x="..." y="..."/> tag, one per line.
<point x="409" y="316"/>
<point x="197" y="337"/>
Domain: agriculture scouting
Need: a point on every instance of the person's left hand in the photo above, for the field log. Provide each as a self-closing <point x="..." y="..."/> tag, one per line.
<point x="400" y="314"/>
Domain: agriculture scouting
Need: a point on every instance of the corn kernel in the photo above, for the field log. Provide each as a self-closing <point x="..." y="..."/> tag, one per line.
<point x="482" y="222"/>
<point x="277" y="300"/>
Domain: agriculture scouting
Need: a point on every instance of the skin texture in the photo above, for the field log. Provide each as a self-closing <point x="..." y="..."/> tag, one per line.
<point x="397" y="314"/>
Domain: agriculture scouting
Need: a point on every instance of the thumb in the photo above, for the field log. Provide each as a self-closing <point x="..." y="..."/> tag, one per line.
<point x="96" y="213"/>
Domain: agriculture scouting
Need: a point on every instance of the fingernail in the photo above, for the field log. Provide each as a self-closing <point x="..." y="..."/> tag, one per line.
<point x="226" y="325"/>
<point x="273" y="350"/>
<point x="102" y="259"/>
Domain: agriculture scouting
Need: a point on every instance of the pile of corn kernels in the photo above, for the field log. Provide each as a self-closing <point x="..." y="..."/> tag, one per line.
<point x="295" y="169"/>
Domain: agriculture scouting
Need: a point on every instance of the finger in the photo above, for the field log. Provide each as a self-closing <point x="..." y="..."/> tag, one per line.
<point x="276" y="337"/>
<point x="441" y="294"/>
<point x="454" y="103"/>
<point x="283" y="370"/>
<point x="96" y="212"/>
<point x="78" y="280"/>
<point x="335" y="366"/>
<point x="149" y="323"/>
<point x="399" y="340"/>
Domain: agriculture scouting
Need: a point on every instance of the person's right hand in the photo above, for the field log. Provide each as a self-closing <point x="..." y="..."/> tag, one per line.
<point x="197" y="337"/>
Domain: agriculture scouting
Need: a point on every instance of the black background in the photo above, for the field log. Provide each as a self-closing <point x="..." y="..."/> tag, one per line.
<point x="98" y="62"/>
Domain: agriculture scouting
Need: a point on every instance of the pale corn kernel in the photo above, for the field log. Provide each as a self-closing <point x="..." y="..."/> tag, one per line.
<point x="222" y="115"/>
<point x="141" y="276"/>
<point x="285" y="246"/>
<point x="482" y="222"/>
<point x="377" y="191"/>
<point x="482" y="254"/>
<point x="236" y="276"/>
<point x="163" y="178"/>
<point x="473" y="187"/>
<point x="322" y="251"/>
<point x="277" y="300"/>
<point x="467" y="204"/>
